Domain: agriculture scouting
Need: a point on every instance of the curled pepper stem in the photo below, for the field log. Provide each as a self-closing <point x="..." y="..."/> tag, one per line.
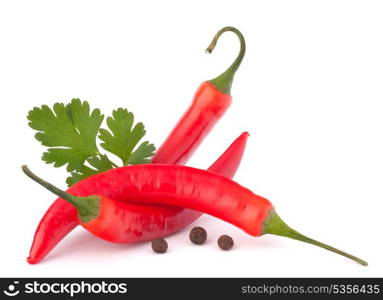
<point x="275" y="225"/>
<point x="224" y="81"/>
<point x="87" y="207"/>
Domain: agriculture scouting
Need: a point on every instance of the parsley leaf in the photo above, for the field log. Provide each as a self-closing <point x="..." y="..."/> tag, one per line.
<point x="141" y="154"/>
<point x="123" y="138"/>
<point x="99" y="163"/>
<point x="69" y="131"/>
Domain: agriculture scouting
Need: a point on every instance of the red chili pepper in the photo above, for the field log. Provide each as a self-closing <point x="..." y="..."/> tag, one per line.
<point x="146" y="221"/>
<point x="179" y="186"/>
<point x="210" y="102"/>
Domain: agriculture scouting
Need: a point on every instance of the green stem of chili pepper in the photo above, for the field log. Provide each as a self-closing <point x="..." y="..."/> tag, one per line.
<point x="87" y="207"/>
<point x="275" y="225"/>
<point x="223" y="82"/>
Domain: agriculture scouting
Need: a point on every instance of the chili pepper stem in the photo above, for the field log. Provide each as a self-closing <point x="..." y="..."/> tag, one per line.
<point x="87" y="207"/>
<point x="275" y="225"/>
<point x="224" y="81"/>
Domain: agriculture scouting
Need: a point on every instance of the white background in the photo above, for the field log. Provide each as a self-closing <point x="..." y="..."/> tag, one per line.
<point x="309" y="92"/>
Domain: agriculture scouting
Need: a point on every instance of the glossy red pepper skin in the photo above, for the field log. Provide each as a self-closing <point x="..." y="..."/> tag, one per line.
<point x="146" y="222"/>
<point x="227" y="164"/>
<point x="176" y="185"/>
<point x="208" y="106"/>
<point x="124" y="222"/>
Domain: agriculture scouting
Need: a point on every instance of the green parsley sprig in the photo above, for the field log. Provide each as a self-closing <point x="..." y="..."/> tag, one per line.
<point x="70" y="132"/>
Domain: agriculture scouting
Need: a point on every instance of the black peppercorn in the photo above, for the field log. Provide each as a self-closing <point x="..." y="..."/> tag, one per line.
<point x="225" y="242"/>
<point x="159" y="245"/>
<point x="198" y="235"/>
